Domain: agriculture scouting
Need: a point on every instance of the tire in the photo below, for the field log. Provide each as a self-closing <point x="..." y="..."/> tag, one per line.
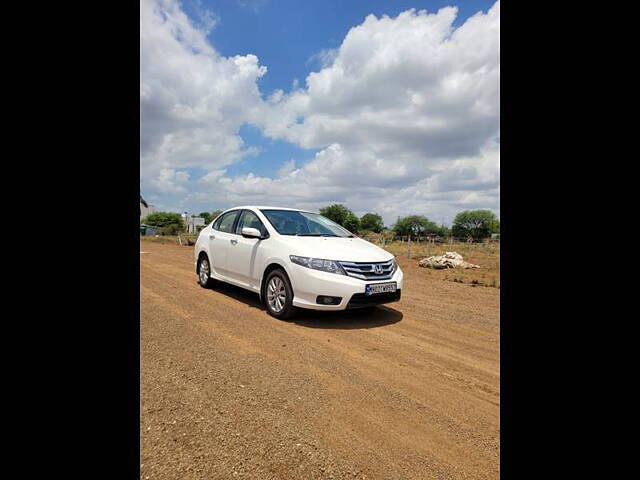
<point x="205" y="281"/>
<point x="277" y="286"/>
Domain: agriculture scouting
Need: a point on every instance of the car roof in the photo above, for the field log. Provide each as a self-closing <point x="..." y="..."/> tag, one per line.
<point x="266" y="207"/>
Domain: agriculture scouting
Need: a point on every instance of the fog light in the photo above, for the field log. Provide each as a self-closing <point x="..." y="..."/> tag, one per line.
<point x="327" y="300"/>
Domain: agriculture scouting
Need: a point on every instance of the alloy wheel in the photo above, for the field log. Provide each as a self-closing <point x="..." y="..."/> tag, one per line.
<point x="276" y="294"/>
<point x="204" y="271"/>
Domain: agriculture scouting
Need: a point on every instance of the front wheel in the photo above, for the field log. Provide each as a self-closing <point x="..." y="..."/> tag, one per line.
<point x="279" y="295"/>
<point x="204" y="270"/>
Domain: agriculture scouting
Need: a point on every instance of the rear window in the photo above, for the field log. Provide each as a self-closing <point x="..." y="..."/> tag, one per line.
<point x="225" y="223"/>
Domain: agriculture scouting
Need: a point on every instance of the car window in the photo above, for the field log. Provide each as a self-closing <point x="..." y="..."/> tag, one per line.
<point x="226" y="221"/>
<point x="216" y="221"/>
<point x="250" y="219"/>
<point x="293" y="222"/>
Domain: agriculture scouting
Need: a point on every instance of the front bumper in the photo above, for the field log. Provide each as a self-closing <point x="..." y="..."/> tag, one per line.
<point x="308" y="284"/>
<point x="359" y="300"/>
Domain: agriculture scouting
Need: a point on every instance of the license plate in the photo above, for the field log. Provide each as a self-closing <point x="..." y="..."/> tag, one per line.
<point x="374" y="288"/>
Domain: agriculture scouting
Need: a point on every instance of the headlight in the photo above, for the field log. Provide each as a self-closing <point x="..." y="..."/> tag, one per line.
<point x="330" y="266"/>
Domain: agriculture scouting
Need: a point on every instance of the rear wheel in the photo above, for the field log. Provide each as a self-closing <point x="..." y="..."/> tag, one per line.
<point x="278" y="295"/>
<point x="204" y="270"/>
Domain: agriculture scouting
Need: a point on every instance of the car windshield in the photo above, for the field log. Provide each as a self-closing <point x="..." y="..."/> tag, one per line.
<point x="304" y="224"/>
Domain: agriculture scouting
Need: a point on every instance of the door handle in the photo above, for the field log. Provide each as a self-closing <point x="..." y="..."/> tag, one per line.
<point x="233" y="241"/>
<point x="211" y="237"/>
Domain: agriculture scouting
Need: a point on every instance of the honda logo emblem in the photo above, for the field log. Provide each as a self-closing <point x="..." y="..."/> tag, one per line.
<point x="377" y="269"/>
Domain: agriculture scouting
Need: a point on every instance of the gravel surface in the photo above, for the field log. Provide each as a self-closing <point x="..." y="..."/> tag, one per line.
<point x="409" y="390"/>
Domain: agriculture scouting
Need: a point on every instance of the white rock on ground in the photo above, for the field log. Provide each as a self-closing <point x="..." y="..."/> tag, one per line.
<point x="448" y="260"/>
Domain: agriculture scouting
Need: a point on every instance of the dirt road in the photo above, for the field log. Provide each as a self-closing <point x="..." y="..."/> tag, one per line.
<point x="410" y="390"/>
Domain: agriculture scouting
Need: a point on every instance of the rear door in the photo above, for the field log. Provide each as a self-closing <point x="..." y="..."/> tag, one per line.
<point x="220" y="239"/>
<point x="244" y="254"/>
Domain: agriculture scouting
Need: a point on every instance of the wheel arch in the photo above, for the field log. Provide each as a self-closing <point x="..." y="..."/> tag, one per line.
<point x="202" y="254"/>
<point x="270" y="268"/>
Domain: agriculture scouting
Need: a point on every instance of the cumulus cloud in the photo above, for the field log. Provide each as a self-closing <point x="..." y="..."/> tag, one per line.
<point x="287" y="168"/>
<point x="192" y="100"/>
<point x="371" y="185"/>
<point x="324" y="57"/>
<point x="405" y="114"/>
<point x="412" y="82"/>
<point x="170" y="181"/>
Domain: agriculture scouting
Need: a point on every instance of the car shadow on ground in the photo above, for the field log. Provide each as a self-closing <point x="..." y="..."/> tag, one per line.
<point x="368" y="317"/>
<point x="238" y="293"/>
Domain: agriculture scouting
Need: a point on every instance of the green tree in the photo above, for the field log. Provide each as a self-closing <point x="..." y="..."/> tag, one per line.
<point x="206" y="216"/>
<point x="475" y="223"/>
<point x="495" y="227"/>
<point x="342" y="216"/>
<point x="215" y="213"/>
<point x="170" y="223"/>
<point x="416" y="225"/>
<point x="352" y="223"/>
<point x="372" y="222"/>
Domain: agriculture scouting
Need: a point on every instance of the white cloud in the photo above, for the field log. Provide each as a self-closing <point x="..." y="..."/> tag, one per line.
<point x="170" y="181"/>
<point x="366" y="184"/>
<point x="324" y="57"/>
<point x="410" y="82"/>
<point x="207" y="18"/>
<point x="192" y="100"/>
<point x="287" y="168"/>
<point x="405" y="113"/>
<point x="213" y="175"/>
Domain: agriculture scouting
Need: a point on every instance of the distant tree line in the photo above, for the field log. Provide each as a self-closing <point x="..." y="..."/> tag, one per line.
<point x="469" y="223"/>
<point x="168" y="223"/>
<point x="477" y="224"/>
<point x="171" y="223"/>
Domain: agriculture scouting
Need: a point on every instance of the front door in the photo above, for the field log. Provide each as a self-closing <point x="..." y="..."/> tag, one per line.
<point x="241" y="259"/>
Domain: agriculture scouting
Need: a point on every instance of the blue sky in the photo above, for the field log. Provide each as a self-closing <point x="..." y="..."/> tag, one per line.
<point x="288" y="38"/>
<point x="285" y="34"/>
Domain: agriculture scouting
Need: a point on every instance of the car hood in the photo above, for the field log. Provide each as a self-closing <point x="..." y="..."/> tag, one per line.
<point x="335" y="248"/>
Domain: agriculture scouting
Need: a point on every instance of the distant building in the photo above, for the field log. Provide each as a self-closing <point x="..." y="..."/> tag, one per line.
<point x="144" y="211"/>
<point x="193" y="223"/>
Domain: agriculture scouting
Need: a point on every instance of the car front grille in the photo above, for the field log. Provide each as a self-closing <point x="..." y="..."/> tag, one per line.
<point x="366" y="270"/>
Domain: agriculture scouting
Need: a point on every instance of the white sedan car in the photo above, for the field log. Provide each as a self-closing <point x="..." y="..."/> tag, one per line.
<point x="295" y="259"/>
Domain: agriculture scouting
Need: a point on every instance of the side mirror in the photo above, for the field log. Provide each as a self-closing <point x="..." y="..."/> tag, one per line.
<point x="249" y="232"/>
